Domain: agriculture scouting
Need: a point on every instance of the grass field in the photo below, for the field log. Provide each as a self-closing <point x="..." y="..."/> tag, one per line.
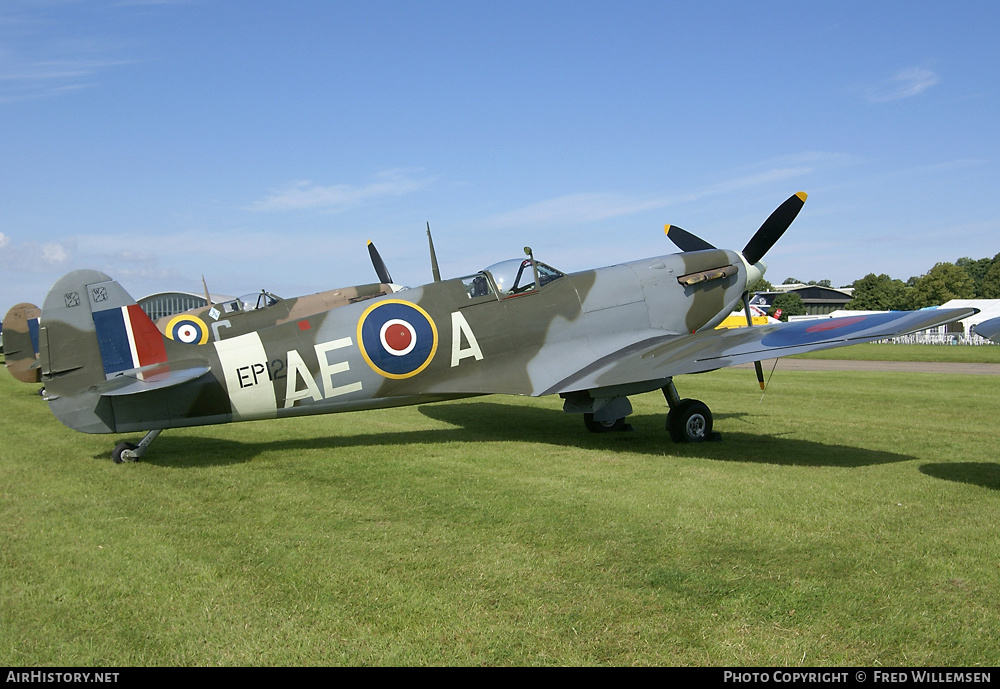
<point x="848" y="519"/>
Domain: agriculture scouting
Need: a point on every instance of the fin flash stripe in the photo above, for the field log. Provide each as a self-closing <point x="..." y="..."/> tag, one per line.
<point x="127" y="339"/>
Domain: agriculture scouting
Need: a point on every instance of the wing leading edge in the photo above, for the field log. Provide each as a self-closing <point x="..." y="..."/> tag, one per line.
<point x="713" y="349"/>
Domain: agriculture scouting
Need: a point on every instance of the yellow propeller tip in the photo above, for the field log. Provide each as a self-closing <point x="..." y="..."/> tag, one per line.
<point x="761" y="386"/>
<point x="666" y="229"/>
<point x="802" y="195"/>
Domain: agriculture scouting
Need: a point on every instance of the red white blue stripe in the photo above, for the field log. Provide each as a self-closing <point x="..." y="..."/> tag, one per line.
<point x="127" y="339"/>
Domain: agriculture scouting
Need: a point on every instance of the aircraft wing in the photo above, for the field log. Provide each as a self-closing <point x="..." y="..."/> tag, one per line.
<point x="713" y="349"/>
<point x="989" y="329"/>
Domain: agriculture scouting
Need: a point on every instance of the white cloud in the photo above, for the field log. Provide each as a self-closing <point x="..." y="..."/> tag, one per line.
<point x="338" y="197"/>
<point x="54" y="253"/>
<point x="32" y="257"/>
<point x="905" y="83"/>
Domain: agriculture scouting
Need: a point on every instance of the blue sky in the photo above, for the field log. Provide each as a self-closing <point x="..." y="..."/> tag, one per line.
<point x="260" y="144"/>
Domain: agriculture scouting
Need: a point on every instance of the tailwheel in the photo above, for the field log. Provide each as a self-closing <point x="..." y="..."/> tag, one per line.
<point x="123" y="453"/>
<point x="690" y="421"/>
<point x="613" y="426"/>
<point x="130" y="452"/>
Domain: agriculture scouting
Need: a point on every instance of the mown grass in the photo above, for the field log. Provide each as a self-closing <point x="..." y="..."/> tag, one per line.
<point x="848" y="519"/>
<point x="964" y="354"/>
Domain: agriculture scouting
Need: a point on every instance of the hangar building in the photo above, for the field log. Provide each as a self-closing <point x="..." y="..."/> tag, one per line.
<point x="818" y="300"/>
<point x="163" y="304"/>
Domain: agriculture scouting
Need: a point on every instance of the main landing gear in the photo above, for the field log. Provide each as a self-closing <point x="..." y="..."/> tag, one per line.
<point x="130" y="452"/>
<point x="689" y="421"/>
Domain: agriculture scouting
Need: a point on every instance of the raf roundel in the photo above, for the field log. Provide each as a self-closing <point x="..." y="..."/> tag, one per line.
<point x="397" y="339"/>
<point x="187" y="329"/>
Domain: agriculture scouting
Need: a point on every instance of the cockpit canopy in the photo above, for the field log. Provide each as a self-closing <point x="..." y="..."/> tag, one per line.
<point x="251" y="302"/>
<point x="516" y="275"/>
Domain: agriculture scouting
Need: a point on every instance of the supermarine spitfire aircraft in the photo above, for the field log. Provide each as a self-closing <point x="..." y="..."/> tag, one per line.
<point x="20" y="341"/>
<point x="519" y="327"/>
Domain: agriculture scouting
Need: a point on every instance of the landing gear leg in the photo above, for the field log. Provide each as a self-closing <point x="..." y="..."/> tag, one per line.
<point x="689" y="421"/>
<point x="130" y="452"/>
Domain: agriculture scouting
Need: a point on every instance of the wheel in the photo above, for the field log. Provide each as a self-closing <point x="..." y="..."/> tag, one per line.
<point x="690" y="422"/>
<point x="605" y="426"/>
<point x="116" y="454"/>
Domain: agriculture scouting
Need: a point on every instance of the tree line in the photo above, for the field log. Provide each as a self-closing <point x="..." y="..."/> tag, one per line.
<point x="966" y="278"/>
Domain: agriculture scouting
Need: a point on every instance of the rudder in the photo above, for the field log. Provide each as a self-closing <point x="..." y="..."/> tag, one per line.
<point x="92" y="329"/>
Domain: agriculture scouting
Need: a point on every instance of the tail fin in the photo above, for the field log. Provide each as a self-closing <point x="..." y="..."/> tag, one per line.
<point x="104" y="363"/>
<point x="20" y="340"/>
<point x="91" y="330"/>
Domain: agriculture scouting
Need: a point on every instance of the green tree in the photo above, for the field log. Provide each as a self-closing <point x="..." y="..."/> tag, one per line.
<point x="878" y="293"/>
<point x="790" y="305"/>
<point x="990" y="286"/>
<point x="977" y="271"/>
<point x="943" y="282"/>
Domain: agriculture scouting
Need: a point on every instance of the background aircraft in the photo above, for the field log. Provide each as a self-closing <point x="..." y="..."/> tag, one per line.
<point x="738" y="319"/>
<point x="989" y="329"/>
<point x="20" y="341"/>
<point x="519" y="327"/>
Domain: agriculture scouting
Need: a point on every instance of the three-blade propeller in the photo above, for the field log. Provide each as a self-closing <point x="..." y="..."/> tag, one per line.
<point x="761" y="242"/>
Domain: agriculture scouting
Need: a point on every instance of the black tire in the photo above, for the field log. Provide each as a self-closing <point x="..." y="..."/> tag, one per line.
<point x="605" y="426"/>
<point x="116" y="454"/>
<point x="690" y="422"/>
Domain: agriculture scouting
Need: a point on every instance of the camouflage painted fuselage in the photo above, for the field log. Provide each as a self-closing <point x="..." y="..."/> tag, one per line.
<point x="423" y="344"/>
<point x="234" y="317"/>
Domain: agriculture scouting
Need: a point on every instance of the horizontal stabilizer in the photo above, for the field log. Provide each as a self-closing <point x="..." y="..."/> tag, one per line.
<point x="154" y="377"/>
